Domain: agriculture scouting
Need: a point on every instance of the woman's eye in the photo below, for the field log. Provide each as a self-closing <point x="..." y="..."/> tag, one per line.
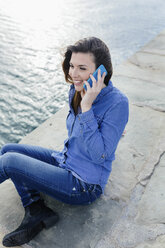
<point x="81" y="68"/>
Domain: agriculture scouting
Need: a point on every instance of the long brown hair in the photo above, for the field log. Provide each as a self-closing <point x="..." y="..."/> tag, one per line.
<point x="101" y="55"/>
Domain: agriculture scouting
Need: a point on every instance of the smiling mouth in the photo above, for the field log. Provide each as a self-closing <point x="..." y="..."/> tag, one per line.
<point x="78" y="82"/>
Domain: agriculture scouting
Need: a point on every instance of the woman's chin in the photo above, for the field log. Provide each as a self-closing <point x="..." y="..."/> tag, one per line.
<point x="78" y="88"/>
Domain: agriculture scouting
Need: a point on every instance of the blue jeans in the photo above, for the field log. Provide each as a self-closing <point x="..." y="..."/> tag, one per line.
<point x="32" y="169"/>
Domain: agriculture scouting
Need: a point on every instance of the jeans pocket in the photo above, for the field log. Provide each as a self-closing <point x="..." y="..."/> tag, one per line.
<point x="94" y="190"/>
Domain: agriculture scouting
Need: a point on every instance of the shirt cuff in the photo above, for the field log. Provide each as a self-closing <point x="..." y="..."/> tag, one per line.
<point x="86" y="116"/>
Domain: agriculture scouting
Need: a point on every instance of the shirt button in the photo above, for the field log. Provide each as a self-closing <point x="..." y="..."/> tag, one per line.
<point x="103" y="156"/>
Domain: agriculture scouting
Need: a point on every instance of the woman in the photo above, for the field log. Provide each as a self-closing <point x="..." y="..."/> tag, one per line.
<point x="78" y="174"/>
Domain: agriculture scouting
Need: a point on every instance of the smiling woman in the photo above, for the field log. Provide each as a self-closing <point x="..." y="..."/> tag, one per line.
<point x="80" y="62"/>
<point x="78" y="174"/>
<point x="81" y="66"/>
<point x="32" y="33"/>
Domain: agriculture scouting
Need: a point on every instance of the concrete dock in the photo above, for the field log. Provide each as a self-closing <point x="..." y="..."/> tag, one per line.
<point x="131" y="214"/>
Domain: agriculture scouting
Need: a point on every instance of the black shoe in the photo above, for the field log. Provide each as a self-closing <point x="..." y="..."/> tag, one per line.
<point x="37" y="216"/>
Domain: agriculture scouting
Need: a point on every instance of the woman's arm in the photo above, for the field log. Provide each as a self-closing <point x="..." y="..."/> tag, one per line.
<point x="102" y="141"/>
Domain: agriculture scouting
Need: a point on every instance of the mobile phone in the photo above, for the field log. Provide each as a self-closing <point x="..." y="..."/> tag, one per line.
<point x="102" y="68"/>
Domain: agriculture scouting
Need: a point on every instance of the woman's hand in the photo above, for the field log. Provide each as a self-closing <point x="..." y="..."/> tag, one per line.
<point x="90" y="95"/>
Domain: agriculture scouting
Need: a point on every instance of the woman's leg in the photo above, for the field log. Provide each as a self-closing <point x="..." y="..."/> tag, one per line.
<point x="27" y="194"/>
<point x="38" y="152"/>
<point x="33" y="174"/>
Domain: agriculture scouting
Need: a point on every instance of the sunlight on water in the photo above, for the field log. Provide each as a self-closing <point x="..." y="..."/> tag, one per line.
<point x="28" y="13"/>
<point x="36" y="20"/>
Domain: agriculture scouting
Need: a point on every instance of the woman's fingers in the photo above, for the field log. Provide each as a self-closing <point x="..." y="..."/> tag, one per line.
<point x="100" y="79"/>
<point x="99" y="75"/>
<point x="93" y="80"/>
<point x="82" y="92"/>
<point x="96" y="85"/>
<point x="89" y="95"/>
<point x="87" y="85"/>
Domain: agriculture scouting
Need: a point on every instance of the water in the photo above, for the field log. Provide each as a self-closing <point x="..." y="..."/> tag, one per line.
<point x="34" y="33"/>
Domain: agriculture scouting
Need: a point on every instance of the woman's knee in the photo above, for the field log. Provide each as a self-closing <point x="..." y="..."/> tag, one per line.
<point x="8" y="148"/>
<point x="9" y="163"/>
<point x="11" y="160"/>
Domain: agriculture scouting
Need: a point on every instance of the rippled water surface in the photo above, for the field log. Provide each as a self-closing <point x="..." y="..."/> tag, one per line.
<point x="32" y="37"/>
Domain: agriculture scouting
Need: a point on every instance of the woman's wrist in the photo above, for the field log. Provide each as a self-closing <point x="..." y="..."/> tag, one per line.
<point x="85" y="108"/>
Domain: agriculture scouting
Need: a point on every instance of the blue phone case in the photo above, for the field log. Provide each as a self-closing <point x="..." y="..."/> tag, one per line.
<point x="102" y="68"/>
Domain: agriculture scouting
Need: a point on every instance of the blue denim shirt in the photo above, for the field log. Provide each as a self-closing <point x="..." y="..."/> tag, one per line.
<point x="93" y="136"/>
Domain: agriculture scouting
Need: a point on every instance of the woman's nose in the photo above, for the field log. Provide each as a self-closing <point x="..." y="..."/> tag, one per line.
<point x="74" y="73"/>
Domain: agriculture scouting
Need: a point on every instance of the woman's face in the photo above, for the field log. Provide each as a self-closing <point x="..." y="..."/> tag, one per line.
<point x="81" y="66"/>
